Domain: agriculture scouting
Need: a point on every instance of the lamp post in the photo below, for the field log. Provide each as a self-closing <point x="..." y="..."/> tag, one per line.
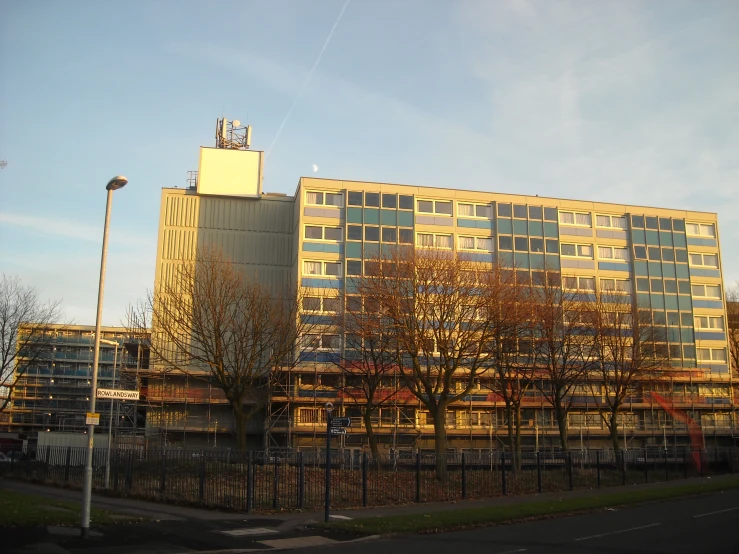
<point x="110" y="414"/>
<point x="114" y="184"/>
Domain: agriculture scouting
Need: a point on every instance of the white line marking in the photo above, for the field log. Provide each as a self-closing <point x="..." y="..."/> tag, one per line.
<point x="617" y="532"/>
<point x="299" y="542"/>
<point x="512" y="551"/>
<point x="339" y="517"/>
<point x="248" y="531"/>
<point x="718" y="512"/>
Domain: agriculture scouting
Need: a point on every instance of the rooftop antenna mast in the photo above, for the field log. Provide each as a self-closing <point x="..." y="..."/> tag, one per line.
<point x="232" y="135"/>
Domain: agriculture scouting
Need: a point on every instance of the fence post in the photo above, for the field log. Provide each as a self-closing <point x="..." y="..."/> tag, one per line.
<point x="275" y="483"/>
<point x="685" y="464"/>
<point x="418" y="476"/>
<point x="163" y="476"/>
<point x="597" y="466"/>
<point x="570" y="470"/>
<point x="502" y="474"/>
<point x="301" y="481"/>
<point x="115" y="469"/>
<point x="68" y="463"/>
<point x="646" y="467"/>
<point x="538" y="471"/>
<point x="201" y="478"/>
<point x="464" y="478"/>
<point x="364" y="479"/>
<point x="249" y="481"/>
<point x="129" y="471"/>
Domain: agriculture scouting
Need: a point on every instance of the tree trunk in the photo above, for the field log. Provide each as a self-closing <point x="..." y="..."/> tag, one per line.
<point x="371" y="437"/>
<point x="613" y="427"/>
<point x="240" y="418"/>
<point x="561" y="415"/>
<point x="511" y="439"/>
<point x="440" y="442"/>
<point x="517" y="436"/>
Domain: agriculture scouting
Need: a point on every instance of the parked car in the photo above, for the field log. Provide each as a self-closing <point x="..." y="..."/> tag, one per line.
<point x="16" y="456"/>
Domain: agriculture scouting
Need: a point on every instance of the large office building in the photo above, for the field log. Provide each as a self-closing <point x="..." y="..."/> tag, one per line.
<point x="52" y="394"/>
<point x="668" y="260"/>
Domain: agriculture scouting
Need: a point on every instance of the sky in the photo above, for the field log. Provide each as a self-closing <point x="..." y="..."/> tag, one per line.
<point x="614" y="101"/>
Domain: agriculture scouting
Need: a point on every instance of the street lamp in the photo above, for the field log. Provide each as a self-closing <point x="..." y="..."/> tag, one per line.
<point x="114" y="184"/>
<point x="110" y="414"/>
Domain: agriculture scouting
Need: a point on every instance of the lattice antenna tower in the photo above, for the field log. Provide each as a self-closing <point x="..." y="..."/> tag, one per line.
<point x="232" y="135"/>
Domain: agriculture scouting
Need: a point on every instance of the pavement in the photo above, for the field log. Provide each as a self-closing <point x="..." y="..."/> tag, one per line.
<point x="178" y="529"/>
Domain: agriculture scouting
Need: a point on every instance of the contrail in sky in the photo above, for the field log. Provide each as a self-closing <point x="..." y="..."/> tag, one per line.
<point x="308" y="77"/>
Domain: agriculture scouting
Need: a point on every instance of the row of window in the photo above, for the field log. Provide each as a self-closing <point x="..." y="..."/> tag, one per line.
<point x="518" y="211"/>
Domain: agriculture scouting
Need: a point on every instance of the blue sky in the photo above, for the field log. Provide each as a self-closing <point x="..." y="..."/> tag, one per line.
<point x="633" y="102"/>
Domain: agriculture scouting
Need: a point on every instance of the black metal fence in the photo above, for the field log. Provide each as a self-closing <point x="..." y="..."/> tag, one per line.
<point x="259" y="481"/>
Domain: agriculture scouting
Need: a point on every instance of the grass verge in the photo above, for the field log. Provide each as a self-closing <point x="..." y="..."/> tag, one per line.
<point x="27" y="510"/>
<point x="477" y="517"/>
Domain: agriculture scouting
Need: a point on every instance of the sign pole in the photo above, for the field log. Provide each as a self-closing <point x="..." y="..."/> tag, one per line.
<point x="329" y="409"/>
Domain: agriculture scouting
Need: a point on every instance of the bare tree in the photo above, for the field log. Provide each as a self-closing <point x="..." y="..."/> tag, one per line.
<point x="509" y="312"/>
<point x="564" y="346"/>
<point x="432" y="305"/>
<point x="368" y="360"/>
<point x="732" y="324"/>
<point x="209" y="318"/>
<point x="628" y="348"/>
<point x="24" y="323"/>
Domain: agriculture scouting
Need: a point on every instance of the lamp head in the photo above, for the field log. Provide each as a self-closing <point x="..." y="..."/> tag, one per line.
<point x="119" y="181"/>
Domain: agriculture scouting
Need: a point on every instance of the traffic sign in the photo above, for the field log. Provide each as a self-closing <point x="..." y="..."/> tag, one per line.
<point x="118" y="394"/>
<point x="341" y="422"/>
<point x="338" y="431"/>
<point x="92" y="419"/>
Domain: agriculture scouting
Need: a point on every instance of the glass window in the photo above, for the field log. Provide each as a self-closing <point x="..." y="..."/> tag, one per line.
<point x="389" y="201"/>
<point x="673" y="319"/>
<point x="405" y="236"/>
<point x="465" y="210"/>
<point x="640" y="252"/>
<point x="701" y="229"/>
<point x="569" y="283"/>
<point x="689" y="351"/>
<point x="668" y="255"/>
<point x="523" y="277"/>
<point x="443" y="207"/>
<point x="539" y="278"/>
<point x="678" y="225"/>
<point x="484" y="244"/>
<point x="444" y="241"/>
<point x="665" y="224"/>
<point x="652" y="223"/>
<point x="505" y="242"/>
<point x="314" y="198"/>
<point x="686" y="319"/>
<point x="567" y="218"/>
<point x="354" y="232"/>
<point x="426" y="206"/>
<point x="504" y="210"/>
<point x="332" y="268"/>
<point x="519" y="211"/>
<point x="311" y="268"/>
<point x="467" y="243"/>
<point x="314" y="233"/>
<point x="372" y="199"/>
<point x="405" y="202"/>
<point x="535" y="212"/>
<point x="659" y="318"/>
<point x="550" y="214"/>
<point x="312" y="304"/>
<point x="585" y="251"/>
<point x="569" y="250"/>
<point x="372" y="233"/>
<point x="537" y="245"/>
<point x="521" y="244"/>
<point x="353" y="267"/>
<point x="334" y="199"/>
<point x="355" y="198"/>
<point x="483" y="211"/>
<point x="587" y="283"/>
<point x="371" y="268"/>
<point x="552" y="246"/>
<point x="332" y="233"/>
<point x="681" y="255"/>
<point x="331" y="304"/>
<point x="389" y="234"/>
<point x="637" y="221"/>
<point x="683" y="287"/>
<point x="657" y="285"/>
<point x="642" y="284"/>
<point x="671" y="286"/>
<point x="425" y="240"/>
<point x="654" y="253"/>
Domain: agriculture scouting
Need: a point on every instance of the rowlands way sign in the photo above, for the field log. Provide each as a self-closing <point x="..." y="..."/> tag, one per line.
<point x="118" y="394"/>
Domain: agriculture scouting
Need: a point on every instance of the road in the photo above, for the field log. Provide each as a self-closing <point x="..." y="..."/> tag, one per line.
<point x="700" y="525"/>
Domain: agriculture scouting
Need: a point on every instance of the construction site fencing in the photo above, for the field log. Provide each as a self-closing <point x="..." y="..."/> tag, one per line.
<point x="272" y="481"/>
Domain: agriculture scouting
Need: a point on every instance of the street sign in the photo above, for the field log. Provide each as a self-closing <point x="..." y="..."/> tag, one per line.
<point x="338" y="431"/>
<point x="341" y="422"/>
<point x="118" y="394"/>
<point x="92" y="419"/>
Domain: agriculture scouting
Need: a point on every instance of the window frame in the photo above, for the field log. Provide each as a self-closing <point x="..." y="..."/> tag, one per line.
<point x="434" y="238"/>
<point x="434" y="202"/>
<point x="711" y="226"/>
<point x="574" y="214"/>
<point x="579" y="287"/>
<point x="704" y="285"/>
<point x="709" y="319"/>
<point x="475" y="241"/>
<point x="475" y="205"/>
<point x="703" y="259"/>
<point x="610" y="222"/>
<point x="323" y="233"/>
<point x="323" y="269"/>
<point x="577" y="246"/>
<point x="612" y="249"/>
<point x="324" y="194"/>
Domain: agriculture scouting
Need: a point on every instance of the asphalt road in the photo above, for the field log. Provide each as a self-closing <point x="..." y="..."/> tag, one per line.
<point x="701" y="525"/>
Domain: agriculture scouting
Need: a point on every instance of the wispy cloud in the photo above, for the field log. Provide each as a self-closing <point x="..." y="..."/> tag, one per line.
<point x="67" y="228"/>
